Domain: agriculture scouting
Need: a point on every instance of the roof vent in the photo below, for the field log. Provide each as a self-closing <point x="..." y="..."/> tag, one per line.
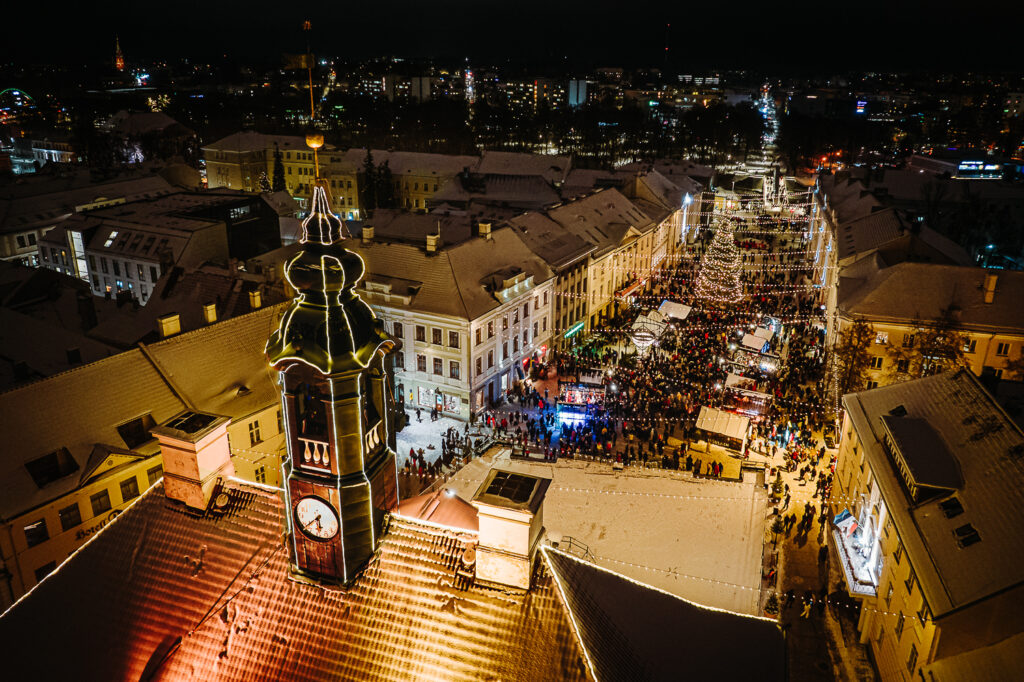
<point x="210" y="312"/>
<point x="74" y="356"/>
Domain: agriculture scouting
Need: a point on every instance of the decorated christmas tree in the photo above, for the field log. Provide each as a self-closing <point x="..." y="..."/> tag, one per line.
<point x="719" y="278"/>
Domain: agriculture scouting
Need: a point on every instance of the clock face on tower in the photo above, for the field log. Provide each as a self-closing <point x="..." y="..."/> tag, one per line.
<point x="316" y="518"/>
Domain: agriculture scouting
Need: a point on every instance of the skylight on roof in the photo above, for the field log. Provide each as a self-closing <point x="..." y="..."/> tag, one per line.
<point x="951" y="507"/>
<point x="966" y="535"/>
<point x="110" y="239"/>
<point x="514" y="487"/>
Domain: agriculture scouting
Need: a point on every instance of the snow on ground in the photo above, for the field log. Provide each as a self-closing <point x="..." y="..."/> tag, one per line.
<point x="699" y="539"/>
<point x="423" y="434"/>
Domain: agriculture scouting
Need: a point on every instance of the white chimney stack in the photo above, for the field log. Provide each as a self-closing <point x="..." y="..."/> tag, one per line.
<point x="510" y="509"/>
<point x="485" y="230"/>
<point x="196" y="455"/>
<point x="368" y="234"/>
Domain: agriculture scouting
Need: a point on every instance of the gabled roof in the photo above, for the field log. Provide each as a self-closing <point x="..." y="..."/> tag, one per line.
<point x="549" y="240"/>
<point x="910" y="292"/>
<point x="212" y="598"/>
<point x="75" y="410"/>
<point x="630" y="631"/>
<point x="553" y="169"/>
<point x="602" y="219"/>
<point x="450" y="281"/>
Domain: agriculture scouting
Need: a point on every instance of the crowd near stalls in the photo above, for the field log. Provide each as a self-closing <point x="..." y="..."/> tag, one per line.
<point x="760" y="357"/>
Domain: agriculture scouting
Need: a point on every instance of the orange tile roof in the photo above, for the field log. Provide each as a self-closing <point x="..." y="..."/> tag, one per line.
<point x="165" y="594"/>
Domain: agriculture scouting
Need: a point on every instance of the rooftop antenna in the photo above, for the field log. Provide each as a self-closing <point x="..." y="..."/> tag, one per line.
<point x="667" y="27"/>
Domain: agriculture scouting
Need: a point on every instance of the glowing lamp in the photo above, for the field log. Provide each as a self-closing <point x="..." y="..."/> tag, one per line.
<point x="314" y="140"/>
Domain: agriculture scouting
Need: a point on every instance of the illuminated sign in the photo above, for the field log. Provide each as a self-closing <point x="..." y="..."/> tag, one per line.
<point x="979" y="169"/>
<point x="862" y="106"/>
<point x="571" y="331"/>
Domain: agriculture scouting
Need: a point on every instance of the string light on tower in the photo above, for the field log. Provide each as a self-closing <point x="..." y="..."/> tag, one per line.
<point x="719" y="279"/>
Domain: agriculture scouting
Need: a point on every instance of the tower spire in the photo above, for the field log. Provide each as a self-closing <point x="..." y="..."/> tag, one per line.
<point x="118" y="57"/>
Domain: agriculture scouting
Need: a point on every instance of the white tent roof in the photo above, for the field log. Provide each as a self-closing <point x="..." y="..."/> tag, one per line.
<point x="764" y="333"/>
<point x="726" y="423"/>
<point x="674" y="309"/>
<point x="752" y="342"/>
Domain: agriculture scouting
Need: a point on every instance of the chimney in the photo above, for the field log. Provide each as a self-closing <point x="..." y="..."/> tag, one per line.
<point x="510" y="509"/>
<point x="168" y="325"/>
<point x="74" y="356"/>
<point x="255" y="299"/>
<point x="196" y="456"/>
<point x="367" y="234"/>
<point x="990" y="287"/>
<point x="86" y="310"/>
<point x="210" y="312"/>
<point x="432" y="242"/>
<point x="485" y="230"/>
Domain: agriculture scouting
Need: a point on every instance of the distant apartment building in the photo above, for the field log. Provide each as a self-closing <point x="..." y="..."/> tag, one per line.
<point x="31" y="207"/>
<point x="923" y="528"/>
<point x="127" y="247"/>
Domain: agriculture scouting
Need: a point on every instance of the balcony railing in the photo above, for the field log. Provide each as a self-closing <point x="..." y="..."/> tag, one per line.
<point x="315" y="451"/>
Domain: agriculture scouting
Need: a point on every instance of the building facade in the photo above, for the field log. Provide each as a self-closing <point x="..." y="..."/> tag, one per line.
<point x="921" y="520"/>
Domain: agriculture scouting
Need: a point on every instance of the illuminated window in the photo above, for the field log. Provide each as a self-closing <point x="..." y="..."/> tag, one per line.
<point x="504" y="322"/>
<point x="70" y="516"/>
<point x="129" y="488"/>
<point x="100" y="502"/>
<point x="36" y="533"/>
<point x="882" y="337"/>
<point x="110" y="239"/>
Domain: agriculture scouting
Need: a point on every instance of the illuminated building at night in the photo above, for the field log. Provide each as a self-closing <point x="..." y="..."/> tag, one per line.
<point x="924" y="528"/>
<point x="210" y="576"/>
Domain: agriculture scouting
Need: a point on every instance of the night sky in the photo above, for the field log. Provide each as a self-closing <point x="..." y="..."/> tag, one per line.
<point x="794" y="36"/>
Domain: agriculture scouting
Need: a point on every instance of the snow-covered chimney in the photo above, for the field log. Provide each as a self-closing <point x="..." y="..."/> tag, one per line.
<point x="210" y="312"/>
<point x="485" y="230"/>
<point x="510" y="508"/>
<point x="196" y="455"/>
<point x="990" y="287"/>
<point x="255" y="299"/>
<point x="168" y="325"/>
<point x="368" y="234"/>
<point x="432" y="242"/>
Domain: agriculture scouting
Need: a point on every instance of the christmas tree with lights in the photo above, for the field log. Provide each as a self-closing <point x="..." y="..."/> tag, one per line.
<point x="719" y="278"/>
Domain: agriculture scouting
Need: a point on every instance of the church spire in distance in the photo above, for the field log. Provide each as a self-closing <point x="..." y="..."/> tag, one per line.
<point x="118" y="57"/>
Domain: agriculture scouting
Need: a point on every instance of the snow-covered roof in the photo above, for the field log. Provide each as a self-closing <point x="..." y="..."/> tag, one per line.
<point x="674" y="310"/>
<point x="753" y="342"/>
<point x="725" y="423"/>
